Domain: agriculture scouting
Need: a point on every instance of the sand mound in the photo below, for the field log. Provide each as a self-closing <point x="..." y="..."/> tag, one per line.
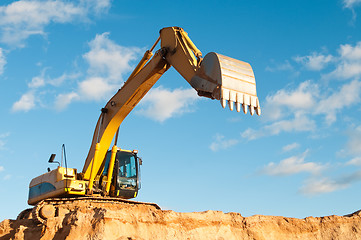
<point x="142" y="222"/>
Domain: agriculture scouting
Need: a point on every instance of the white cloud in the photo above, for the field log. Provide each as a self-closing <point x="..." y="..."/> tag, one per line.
<point x="3" y="136"/>
<point x="352" y="148"/>
<point x="353" y="145"/>
<point x="315" y="62"/>
<point x="315" y="186"/>
<point x="108" y="62"/>
<point x="2" y="61"/>
<point x="25" y="103"/>
<point x="286" y="66"/>
<point x="349" y="52"/>
<point x="291" y="110"/>
<point x="7" y="177"/>
<point x="303" y="97"/>
<point x="307" y="95"/>
<point x="290" y="147"/>
<point x="348" y="95"/>
<point x="351" y="3"/>
<point x="63" y="100"/>
<point x="252" y="134"/>
<point x="2" y="168"/>
<point x="348" y="64"/>
<point x="221" y="143"/>
<point x="324" y="185"/>
<point x="95" y="88"/>
<point x="58" y="81"/>
<point x="43" y="79"/>
<point x="160" y="103"/>
<point x="292" y="165"/>
<point x="108" y="59"/>
<point x="98" y="6"/>
<point x="30" y="100"/>
<point x="346" y="70"/>
<point x="37" y="81"/>
<point x="355" y="161"/>
<point x="300" y="123"/>
<point x="22" y="19"/>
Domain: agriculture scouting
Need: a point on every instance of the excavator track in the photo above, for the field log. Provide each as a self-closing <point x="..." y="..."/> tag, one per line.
<point x="25" y="214"/>
<point x="52" y="207"/>
<point x="35" y="213"/>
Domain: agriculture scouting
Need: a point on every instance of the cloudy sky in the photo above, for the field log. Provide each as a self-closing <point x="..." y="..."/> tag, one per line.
<point x="60" y="61"/>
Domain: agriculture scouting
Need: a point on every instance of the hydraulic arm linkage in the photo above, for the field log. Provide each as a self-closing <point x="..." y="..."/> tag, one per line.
<point x="215" y="76"/>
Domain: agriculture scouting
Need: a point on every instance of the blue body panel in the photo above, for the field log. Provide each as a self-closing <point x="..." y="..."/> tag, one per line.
<point x="40" y="189"/>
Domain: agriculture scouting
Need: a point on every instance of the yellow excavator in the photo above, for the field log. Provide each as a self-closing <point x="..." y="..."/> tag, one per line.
<point x="113" y="175"/>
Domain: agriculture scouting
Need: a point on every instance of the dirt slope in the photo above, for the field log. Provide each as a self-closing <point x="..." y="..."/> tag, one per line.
<point x="125" y="222"/>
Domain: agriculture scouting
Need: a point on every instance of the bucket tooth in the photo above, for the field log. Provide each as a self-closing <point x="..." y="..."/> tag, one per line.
<point x="253" y="101"/>
<point x="223" y="102"/>
<point x="258" y="108"/>
<point x="232" y="99"/>
<point x="238" y="106"/>
<point x="246" y="101"/>
<point x="244" y="108"/>
<point x="225" y="94"/>
<point x="258" y="111"/>
<point x="239" y="101"/>
<point x="240" y="97"/>
<point x="233" y="96"/>
<point x="230" y="103"/>
<point x="251" y="110"/>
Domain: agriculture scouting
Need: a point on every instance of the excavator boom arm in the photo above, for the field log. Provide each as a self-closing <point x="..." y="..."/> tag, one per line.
<point x="214" y="76"/>
<point x="118" y="107"/>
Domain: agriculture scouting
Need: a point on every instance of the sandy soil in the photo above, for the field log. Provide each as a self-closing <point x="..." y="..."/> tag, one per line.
<point x="125" y="221"/>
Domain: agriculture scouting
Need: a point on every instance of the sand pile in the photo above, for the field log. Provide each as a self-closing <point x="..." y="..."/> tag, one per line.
<point x="142" y="222"/>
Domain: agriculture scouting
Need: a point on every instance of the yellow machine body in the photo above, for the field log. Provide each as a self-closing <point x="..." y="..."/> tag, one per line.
<point x="56" y="183"/>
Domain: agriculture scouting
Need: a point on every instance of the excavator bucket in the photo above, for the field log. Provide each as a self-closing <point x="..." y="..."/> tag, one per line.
<point x="228" y="80"/>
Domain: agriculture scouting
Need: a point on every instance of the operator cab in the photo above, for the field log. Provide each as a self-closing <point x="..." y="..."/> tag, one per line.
<point x="126" y="174"/>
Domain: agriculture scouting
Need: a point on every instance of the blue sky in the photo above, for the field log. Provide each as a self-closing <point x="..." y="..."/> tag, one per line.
<point x="60" y="61"/>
